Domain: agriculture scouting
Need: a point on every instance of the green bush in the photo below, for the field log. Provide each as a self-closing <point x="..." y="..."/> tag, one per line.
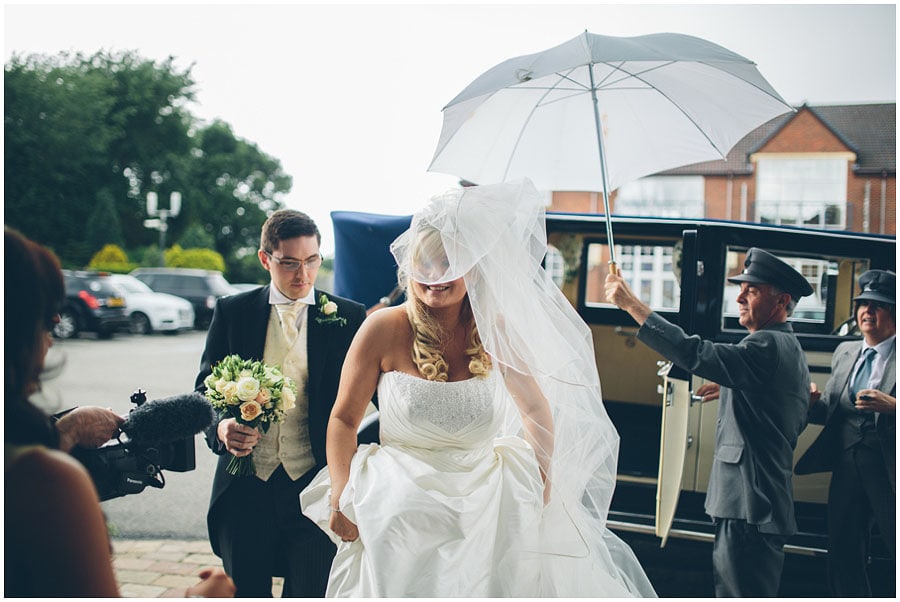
<point x="111" y="258"/>
<point x="204" y="259"/>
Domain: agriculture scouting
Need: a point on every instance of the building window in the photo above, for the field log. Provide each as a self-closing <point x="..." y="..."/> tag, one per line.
<point x="662" y="196"/>
<point x="809" y="192"/>
<point x="648" y="270"/>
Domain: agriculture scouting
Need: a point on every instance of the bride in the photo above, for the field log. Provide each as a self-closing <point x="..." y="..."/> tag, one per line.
<point x="497" y="460"/>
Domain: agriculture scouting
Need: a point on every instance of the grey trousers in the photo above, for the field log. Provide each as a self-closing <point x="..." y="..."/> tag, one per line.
<point x="746" y="563"/>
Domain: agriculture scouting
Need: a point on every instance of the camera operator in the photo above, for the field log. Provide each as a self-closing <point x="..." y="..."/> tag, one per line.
<point x="56" y="543"/>
<point x="87" y="427"/>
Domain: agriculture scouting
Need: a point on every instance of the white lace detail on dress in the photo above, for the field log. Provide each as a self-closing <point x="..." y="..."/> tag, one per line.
<point x="450" y="406"/>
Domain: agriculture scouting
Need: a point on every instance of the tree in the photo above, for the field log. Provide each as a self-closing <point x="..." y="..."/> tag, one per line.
<point x="238" y="187"/>
<point x="111" y="258"/>
<point x="205" y="259"/>
<point x="103" y="225"/>
<point x="197" y="237"/>
<point x="77" y="125"/>
<point x="88" y="137"/>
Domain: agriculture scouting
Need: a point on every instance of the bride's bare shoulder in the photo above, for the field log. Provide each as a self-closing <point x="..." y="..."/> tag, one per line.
<point x="388" y="317"/>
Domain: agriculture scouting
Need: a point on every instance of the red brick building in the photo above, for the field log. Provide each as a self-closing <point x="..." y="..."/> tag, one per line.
<point x="822" y="166"/>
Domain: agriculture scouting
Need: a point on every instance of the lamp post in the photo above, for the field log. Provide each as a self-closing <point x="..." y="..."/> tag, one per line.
<point x="159" y="218"/>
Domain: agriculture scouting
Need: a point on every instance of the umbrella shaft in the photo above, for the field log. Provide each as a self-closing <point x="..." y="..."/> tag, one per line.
<point x="599" y="129"/>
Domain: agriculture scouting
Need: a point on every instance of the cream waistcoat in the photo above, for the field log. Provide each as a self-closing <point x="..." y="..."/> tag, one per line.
<point x="286" y="443"/>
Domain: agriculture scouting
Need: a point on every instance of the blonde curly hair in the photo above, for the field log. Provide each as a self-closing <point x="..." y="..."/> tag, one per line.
<point x="427" y="350"/>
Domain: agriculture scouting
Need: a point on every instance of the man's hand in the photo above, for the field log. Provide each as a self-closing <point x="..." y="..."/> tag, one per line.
<point x="214" y="583"/>
<point x="707" y="391"/>
<point x="814" y="394"/>
<point x="239" y="439"/>
<point x="618" y="293"/>
<point x="88" y="426"/>
<point x="873" y="400"/>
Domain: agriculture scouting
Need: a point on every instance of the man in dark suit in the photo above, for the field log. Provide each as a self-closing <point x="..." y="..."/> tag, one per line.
<point x="764" y="399"/>
<point x="857" y="444"/>
<point x="255" y="524"/>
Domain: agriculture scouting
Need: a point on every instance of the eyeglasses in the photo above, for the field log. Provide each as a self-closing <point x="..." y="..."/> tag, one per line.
<point x="292" y="265"/>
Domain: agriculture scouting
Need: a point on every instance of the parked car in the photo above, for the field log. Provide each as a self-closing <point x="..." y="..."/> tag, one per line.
<point x="200" y="287"/>
<point x="680" y="267"/>
<point x="149" y="311"/>
<point x="245" y="286"/>
<point x="92" y="305"/>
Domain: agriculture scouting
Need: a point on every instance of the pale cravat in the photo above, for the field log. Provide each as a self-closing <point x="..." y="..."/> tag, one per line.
<point x="289" y="314"/>
<point x="861" y="380"/>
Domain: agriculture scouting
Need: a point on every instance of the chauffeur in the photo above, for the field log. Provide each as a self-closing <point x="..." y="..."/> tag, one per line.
<point x="857" y="444"/>
<point x="764" y="400"/>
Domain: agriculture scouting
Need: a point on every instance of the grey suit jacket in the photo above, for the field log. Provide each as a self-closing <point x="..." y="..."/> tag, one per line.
<point x="822" y="454"/>
<point x="763" y="403"/>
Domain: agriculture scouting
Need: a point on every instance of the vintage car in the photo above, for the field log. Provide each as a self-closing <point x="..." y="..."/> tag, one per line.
<point x="680" y="267"/>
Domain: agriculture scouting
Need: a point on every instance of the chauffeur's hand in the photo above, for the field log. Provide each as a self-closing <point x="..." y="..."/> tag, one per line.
<point x="873" y="400"/>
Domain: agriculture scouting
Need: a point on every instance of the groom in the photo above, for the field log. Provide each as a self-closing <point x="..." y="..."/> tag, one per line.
<point x="255" y="524"/>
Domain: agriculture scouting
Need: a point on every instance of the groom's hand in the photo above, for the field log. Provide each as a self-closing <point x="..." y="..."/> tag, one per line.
<point x="239" y="439"/>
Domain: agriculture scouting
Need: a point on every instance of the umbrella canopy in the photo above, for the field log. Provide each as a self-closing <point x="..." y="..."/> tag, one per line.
<point x="663" y="101"/>
<point x="660" y="101"/>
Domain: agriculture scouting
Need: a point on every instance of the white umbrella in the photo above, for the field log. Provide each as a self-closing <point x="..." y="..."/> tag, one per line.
<point x="661" y="101"/>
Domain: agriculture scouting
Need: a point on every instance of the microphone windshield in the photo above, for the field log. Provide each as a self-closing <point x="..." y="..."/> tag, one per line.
<point x="165" y="420"/>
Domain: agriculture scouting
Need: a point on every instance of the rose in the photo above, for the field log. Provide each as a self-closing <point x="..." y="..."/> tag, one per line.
<point x="229" y="392"/>
<point x="264" y="396"/>
<point x="288" y="398"/>
<point x="220" y="385"/>
<point x="329" y="308"/>
<point x="247" y="388"/>
<point x="250" y="410"/>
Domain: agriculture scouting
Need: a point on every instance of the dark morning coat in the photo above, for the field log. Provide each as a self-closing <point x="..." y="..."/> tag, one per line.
<point x="821" y="455"/>
<point x="239" y="326"/>
<point x="763" y="403"/>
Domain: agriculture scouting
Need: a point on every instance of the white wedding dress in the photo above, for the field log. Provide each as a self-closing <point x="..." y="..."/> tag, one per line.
<point x="447" y="508"/>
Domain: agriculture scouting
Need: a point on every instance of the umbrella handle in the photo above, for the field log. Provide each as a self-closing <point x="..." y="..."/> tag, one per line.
<point x="613" y="268"/>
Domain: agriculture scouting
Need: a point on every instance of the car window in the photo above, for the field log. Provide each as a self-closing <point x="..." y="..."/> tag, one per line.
<point x="166" y="282"/>
<point x="148" y="279"/>
<point x="218" y="285"/>
<point x="131" y="285"/>
<point x="832" y="278"/>
<point x="651" y="270"/>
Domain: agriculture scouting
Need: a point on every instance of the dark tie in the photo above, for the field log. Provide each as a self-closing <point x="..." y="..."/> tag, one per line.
<point x="861" y="380"/>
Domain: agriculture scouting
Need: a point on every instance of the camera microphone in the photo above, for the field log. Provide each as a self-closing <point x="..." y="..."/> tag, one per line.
<point x="169" y="419"/>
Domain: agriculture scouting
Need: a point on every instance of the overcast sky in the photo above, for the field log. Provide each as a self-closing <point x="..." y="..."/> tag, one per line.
<point x="349" y="97"/>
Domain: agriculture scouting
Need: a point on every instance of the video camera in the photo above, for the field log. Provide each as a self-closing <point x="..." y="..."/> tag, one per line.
<point x="155" y="436"/>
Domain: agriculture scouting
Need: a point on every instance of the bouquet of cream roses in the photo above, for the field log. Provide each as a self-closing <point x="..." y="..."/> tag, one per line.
<point x="254" y="394"/>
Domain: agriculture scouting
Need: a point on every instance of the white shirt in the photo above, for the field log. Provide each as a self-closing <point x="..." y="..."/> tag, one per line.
<point x="281" y="301"/>
<point x="879" y="362"/>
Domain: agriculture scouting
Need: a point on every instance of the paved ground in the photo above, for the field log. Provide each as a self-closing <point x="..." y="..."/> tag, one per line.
<point x="162" y="568"/>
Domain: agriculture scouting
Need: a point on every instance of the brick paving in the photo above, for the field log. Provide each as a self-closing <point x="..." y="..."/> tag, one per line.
<point x="163" y="568"/>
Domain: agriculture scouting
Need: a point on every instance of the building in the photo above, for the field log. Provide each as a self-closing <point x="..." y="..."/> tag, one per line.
<point x="830" y="166"/>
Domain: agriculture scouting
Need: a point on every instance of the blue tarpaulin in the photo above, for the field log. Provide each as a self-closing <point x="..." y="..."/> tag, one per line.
<point x="364" y="269"/>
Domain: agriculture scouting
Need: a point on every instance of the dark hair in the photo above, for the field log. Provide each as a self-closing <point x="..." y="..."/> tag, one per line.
<point x="285" y="224"/>
<point x="33" y="294"/>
